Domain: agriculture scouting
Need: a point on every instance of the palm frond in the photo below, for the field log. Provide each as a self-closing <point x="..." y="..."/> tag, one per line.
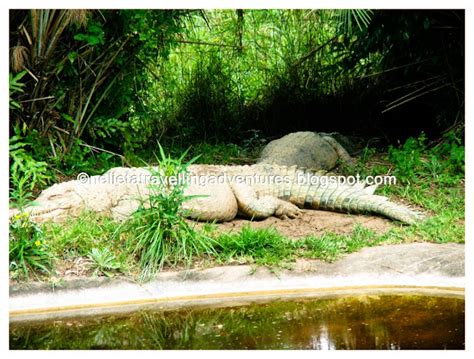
<point x="347" y="17"/>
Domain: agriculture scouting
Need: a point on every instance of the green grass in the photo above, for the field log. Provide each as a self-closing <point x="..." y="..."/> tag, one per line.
<point x="267" y="247"/>
<point x="78" y="236"/>
<point x="331" y="246"/>
<point x="430" y="177"/>
<point x="255" y="246"/>
<point x="90" y="237"/>
<point x="111" y="252"/>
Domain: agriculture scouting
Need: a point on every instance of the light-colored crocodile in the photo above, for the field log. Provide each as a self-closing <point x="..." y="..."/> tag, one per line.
<point x="257" y="191"/>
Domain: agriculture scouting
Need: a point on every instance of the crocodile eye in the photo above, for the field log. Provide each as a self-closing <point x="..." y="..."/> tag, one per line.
<point x="56" y="195"/>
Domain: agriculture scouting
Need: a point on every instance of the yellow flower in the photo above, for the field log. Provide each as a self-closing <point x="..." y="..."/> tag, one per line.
<point x="38" y="243"/>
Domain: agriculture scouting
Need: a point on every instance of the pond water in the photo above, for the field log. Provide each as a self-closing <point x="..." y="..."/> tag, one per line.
<point x="362" y="322"/>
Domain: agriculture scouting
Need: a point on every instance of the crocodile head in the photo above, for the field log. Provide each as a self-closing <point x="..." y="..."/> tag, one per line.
<point x="54" y="204"/>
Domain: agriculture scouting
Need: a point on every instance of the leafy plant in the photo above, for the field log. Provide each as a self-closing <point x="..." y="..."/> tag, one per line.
<point x="103" y="261"/>
<point x="347" y="17"/>
<point x="408" y="158"/>
<point x="94" y="36"/>
<point x="76" y="62"/>
<point x="450" y="155"/>
<point x="27" y="246"/>
<point x="26" y="173"/>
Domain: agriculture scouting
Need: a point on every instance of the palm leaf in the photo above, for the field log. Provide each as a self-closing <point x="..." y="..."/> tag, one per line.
<point x="347" y="17"/>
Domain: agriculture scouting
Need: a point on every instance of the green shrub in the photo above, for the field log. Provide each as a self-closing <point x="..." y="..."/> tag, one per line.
<point x="27" y="247"/>
<point x="417" y="161"/>
<point x="408" y="158"/>
<point x="16" y="87"/>
<point x="208" y="107"/>
<point x="450" y="156"/>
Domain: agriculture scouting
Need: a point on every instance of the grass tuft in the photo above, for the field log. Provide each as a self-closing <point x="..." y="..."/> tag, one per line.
<point x="158" y="232"/>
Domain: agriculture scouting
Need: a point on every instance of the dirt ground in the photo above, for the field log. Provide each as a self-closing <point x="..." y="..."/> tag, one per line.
<point x="312" y="222"/>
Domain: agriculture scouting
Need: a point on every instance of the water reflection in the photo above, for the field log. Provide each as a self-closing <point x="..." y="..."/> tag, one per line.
<point x="364" y="322"/>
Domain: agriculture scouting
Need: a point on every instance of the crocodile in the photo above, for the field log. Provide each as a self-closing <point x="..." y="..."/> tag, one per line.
<point x="217" y="193"/>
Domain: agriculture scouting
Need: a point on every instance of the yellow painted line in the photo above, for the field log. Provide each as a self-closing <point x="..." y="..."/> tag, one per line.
<point x="236" y="295"/>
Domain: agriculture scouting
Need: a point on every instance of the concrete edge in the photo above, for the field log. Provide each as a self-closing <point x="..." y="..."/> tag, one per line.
<point x="62" y="308"/>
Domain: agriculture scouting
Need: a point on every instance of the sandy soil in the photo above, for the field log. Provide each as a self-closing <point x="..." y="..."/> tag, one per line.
<point x="312" y="222"/>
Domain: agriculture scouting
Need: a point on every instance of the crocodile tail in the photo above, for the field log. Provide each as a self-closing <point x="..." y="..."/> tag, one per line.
<point x="382" y="206"/>
<point x="363" y="201"/>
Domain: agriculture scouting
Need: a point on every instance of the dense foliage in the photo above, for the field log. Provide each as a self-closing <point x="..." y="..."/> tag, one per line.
<point x="76" y="75"/>
<point x="89" y="88"/>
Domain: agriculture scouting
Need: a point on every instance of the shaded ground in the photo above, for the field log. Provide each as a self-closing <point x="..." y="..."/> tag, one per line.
<point x="312" y="222"/>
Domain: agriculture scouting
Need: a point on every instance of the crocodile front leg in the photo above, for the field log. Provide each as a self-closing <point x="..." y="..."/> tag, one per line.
<point x="252" y="206"/>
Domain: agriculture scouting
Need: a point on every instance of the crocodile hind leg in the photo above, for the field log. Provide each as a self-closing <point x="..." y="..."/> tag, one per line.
<point x="256" y="207"/>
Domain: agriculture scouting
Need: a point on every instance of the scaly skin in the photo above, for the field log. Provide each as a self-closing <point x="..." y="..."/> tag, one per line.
<point x="253" y="191"/>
